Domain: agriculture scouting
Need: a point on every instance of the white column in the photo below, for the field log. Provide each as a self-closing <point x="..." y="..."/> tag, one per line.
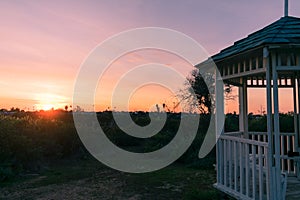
<point x="271" y="189"/>
<point x="276" y="127"/>
<point x="298" y="114"/>
<point x="243" y="108"/>
<point x="296" y="126"/>
<point x="219" y="121"/>
<point x="298" y="123"/>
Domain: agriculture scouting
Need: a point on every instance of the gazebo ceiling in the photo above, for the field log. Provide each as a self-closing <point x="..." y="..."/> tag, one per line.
<point x="286" y="30"/>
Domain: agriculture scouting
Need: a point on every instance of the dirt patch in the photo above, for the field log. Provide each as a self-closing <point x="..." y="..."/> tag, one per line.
<point x="88" y="180"/>
<point x="104" y="185"/>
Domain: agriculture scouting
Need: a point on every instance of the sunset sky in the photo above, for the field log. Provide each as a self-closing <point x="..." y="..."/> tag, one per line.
<point x="44" y="43"/>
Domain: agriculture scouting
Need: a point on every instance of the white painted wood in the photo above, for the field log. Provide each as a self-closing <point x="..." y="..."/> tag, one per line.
<point x="252" y="177"/>
<point x="242" y="175"/>
<point x="247" y="169"/>
<point x="276" y="127"/>
<point x="296" y="128"/>
<point x="298" y="113"/>
<point x="257" y="133"/>
<point x="288" y="140"/>
<point x="236" y="156"/>
<point x="219" y="123"/>
<point x="229" y="150"/>
<point x="225" y="162"/>
<point x="252" y="182"/>
<point x="232" y="192"/>
<point x="270" y="186"/>
<point x="287" y="134"/>
<point x="243" y="108"/>
<point x="234" y="133"/>
<point x="282" y="147"/>
<point x="253" y="171"/>
<point x="244" y="74"/>
<point x="288" y="68"/>
<point x="294" y="149"/>
<point x="220" y="162"/>
<point x="244" y="140"/>
<point x="260" y="167"/>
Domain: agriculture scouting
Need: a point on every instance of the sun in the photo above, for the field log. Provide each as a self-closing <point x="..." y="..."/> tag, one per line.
<point x="49" y="101"/>
<point x="47" y="106"/>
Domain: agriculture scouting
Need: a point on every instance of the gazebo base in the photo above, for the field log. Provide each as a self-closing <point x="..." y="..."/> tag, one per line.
<point x="292" y="192"/>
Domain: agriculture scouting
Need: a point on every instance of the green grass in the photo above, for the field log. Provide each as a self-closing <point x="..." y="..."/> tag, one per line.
<point x="69" y="170"/>
<point x="173" y="182"/>
<point x="176" y="182"/>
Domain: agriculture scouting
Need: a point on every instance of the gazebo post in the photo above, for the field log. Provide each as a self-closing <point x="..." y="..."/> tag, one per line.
<point x="298" y="114"/>
<point x="243" y="108"/>
<point x="219" y="121"/>
<point x="296" y="128"/>
<point x="271" y="183"/>
<point x="297" y="117"/>
<point x="296" y="125"/>
<point x="276" y="127"/>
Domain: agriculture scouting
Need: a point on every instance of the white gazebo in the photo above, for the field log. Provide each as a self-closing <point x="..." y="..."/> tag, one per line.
<point x="260" y="165"/>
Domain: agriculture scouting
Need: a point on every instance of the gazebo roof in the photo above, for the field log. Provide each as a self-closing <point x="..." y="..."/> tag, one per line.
<point x="286" y="30"/>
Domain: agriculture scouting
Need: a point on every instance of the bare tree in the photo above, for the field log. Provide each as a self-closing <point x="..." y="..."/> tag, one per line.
<point x="198" y="92"/>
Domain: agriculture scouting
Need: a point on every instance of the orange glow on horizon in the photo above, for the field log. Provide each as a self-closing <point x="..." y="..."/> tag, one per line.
<point x="47" y="107"/>
<point x="156" y="95"/>
<point x="48" y="101"/>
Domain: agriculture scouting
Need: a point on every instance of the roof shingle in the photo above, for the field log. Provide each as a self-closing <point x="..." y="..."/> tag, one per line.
<point x="286" y="30"/>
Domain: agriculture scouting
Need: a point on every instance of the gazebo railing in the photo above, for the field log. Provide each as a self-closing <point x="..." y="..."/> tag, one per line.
<point x="243" y="167"/>
<point x="287" y="144"/>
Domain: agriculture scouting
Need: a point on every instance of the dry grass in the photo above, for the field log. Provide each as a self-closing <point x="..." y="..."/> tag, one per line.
<point x="90" y="180"/>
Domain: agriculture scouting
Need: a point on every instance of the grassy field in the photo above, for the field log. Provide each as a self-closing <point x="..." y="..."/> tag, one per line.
<point x="89" y="179"/>
<point x="42" y="157"/>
